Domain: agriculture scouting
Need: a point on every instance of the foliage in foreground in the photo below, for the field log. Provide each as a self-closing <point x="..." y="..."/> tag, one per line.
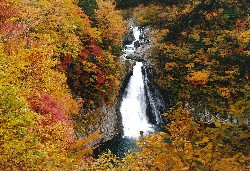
<point x="186" y="145"/>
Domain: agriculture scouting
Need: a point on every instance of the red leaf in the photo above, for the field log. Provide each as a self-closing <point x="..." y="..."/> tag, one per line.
<point x="48" y="105"/>
<point x="99" y="77"/>
<point x="96" y="50"/>
<point x="84" y="54"/>
<point x="66" y="61"/>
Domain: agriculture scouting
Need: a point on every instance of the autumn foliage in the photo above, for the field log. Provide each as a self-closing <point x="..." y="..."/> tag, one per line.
<point x="48" y="106"/>
<point x="186" y="145"/>
<point x="57" y="58"/>
<point x="39" y="41"/>
<point x="202" y="52"/>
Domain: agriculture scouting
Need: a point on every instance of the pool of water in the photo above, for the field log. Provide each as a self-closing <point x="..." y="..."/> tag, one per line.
<point x="122" y="145"/>
<point x="119" y="146"/>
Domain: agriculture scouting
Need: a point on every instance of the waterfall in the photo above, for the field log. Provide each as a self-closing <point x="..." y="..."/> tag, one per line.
<point x="133" y="106"/>
<point x="135" y="98"/>
<point x="141" y="105"/>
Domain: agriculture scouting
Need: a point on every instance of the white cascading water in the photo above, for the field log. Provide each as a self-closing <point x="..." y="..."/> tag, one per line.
<point x="131" y="48"/>
<point x="133" y="105"/>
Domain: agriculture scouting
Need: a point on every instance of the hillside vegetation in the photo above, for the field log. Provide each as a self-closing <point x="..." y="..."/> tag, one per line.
<point x="43" y="45"/>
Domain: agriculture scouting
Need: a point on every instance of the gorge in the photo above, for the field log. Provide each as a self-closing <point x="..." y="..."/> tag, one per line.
<point x="83" y="88"/>
<point x="140" y="107"/>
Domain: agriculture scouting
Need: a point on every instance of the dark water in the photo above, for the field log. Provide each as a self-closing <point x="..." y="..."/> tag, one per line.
<point x="119" y="146"/>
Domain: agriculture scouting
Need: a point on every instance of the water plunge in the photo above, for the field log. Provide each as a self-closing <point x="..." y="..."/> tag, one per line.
<point x="133" y="106"/>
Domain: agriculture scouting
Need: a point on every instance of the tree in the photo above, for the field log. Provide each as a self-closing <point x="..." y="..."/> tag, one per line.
<point x="197" y="64"/>
<point x="59" y="22"/>
<point x="110" y="23"/>
<point x="89" y="7"/>
<point x="201" y="59"/>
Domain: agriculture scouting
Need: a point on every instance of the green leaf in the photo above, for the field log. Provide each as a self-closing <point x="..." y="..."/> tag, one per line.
<point x="217" y="141"/>
<point x="197" y="139"/>
<point x="226" y="132"/>
<point x="181" y="144"/>
<point x="184" y="156"/>
<point x="198" y="163"/>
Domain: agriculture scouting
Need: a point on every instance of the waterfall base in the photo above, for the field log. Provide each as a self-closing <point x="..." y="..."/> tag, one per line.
<point x="119" y="146"/>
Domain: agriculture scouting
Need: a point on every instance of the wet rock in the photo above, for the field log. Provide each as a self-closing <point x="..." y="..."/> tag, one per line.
<point x="129" y="37"/>
<point x="137" y="44"/>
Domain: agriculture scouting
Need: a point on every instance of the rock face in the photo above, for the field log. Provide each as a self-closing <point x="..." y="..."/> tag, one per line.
<point x="110" y="123"/>
<point x="156" y="105"/>
<point x="142" y="51"/>
<point x="129" y="37"/>
<point x="126" y="72"/>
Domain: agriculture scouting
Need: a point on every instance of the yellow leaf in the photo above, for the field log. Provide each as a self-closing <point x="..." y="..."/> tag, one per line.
<point x="204" y="140"/>
<point x="217" y="124"/>
<point x="198" y="77"/>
